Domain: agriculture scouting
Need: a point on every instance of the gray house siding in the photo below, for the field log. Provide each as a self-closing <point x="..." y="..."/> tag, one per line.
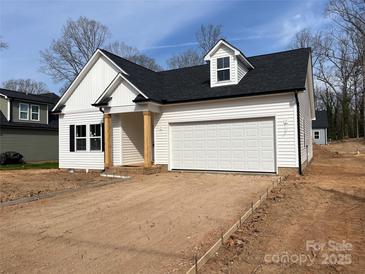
<point x="43" y="112"/>
<point x="322" y="136"/>
<point x="4" y="106"/>
<point x="33" y="144"/>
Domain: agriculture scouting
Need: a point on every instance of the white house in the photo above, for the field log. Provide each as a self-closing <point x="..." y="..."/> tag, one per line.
<point x="320" y="128"/>
<point x="233" y="113"/>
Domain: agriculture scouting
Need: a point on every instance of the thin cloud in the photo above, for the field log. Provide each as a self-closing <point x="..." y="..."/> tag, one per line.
<point x="179" y="45"/>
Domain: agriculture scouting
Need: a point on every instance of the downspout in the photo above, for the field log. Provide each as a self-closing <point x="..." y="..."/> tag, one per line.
<point x="298" y="129"/>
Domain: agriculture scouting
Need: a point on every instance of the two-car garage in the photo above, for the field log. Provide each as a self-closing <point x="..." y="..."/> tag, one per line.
<point x="225" y="145"/>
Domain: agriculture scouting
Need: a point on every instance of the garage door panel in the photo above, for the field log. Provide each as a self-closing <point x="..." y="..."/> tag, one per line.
<point x="232" y="145"/>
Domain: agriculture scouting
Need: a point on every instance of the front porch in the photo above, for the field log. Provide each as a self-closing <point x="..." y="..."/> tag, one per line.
<point x="128" y="141"/>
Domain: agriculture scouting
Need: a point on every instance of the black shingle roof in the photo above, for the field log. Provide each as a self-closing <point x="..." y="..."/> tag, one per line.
<point x="52" y="123"/>
<point x="46" y="98"/>
<point x="321" y="120"/>
<point x="49" y="98"/>
<point x="272" y="73"/>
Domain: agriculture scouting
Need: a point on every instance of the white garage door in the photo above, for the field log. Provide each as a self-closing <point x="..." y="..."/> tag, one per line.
<point x="229" y="145"/>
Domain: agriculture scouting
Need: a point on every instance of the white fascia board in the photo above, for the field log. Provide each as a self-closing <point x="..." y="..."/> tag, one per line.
<point x="311" y="88"/>
<point x="129" y="82"/>
<point x="85" y="69"/>
<point x="114" y="84"/>
<point x="237" y="52"/>
<point x="113" y="62"/>
<point x="79" y="76"/>
<point x="217" y="45"/>
<point x="8" y="103"/>
<point x="9" y="109"/>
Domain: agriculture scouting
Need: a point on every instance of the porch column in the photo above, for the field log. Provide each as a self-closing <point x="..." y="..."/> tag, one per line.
<point x="147" y="132"/>
<point x="107" y="140"/>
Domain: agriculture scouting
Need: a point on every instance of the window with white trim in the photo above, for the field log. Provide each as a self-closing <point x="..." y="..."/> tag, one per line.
<point x="316" y="135"/>
<point x="23" y="111"/>
<point x="223" y="69"/>
<point x="95" y="137"/>
<point x="80" y="137"/>
<point x="34" y="112"/>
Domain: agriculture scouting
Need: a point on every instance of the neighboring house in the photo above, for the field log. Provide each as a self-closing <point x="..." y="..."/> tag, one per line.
<point x="232" y="114"/>
<point x="320" y="128"/>
<point x="27" y="125"/>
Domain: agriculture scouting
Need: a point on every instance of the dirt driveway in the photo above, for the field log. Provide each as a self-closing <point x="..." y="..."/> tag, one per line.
<point x="319" y="217"/>
<point x="150" y="224"/>
<point x="15" y="184"/>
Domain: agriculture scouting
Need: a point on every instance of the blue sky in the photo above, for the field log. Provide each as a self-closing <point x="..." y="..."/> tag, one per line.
<point x="158" y="28"/>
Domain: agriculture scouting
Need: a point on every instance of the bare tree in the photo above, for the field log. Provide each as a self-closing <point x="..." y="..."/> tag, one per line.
<point x="306" y="39"/>
<point x="67" y="55"/>
<point x="187" y="58"/>
<point x="132" y="54"/>
<point x="28" y="86"/>
<point x="350" y="16"/>
<point x="3" y="44"/>
<point x="207" y="36"/>
<point x="122" y="49"/>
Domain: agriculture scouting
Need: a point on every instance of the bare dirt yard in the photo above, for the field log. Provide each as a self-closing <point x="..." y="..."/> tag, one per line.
<point x="310" y="224"/>
<point x="148" y="224"/>
<point x="16" y="184"/>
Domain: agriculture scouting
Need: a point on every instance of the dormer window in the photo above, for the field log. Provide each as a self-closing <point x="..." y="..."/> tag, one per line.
<point x="227" y="64"/>
<point x="223" y="69"/>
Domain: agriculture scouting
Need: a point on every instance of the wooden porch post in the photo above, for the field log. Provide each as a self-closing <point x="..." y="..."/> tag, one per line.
<point x="147" y="132"/>
<point x="107" y="141"/>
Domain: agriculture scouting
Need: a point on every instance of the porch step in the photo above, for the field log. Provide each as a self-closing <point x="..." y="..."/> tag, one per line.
<point x="130" y="170"/>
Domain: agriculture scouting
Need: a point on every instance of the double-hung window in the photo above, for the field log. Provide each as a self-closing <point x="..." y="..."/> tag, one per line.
<point x="95" y="137"/>
<point x="34" y="112"/>
<point x="316" y="135"/>
<point x="23" y="111"/>
<point x="80" y="137"/>
<point x="223" y="71"/>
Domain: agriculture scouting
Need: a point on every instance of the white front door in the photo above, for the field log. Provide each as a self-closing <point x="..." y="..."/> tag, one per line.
<point x="229" y="145"/>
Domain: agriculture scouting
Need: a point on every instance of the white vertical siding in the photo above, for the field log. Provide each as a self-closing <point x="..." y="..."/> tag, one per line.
<point x="281" y="107"/>
<point x="123" y="95"/>
<point x="78" y="159"/>
<point x="91" y="86"/>
<point x="79" y="111"/>
<point x="132" y="138"/>
<point x="116" y="140"/>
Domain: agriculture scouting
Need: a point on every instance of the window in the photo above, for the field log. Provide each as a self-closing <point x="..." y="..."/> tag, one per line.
<point x="80" y="137"/>
<point x="223" y="70"/>
<point x="95" y="137"/>
<point x="34" y="112"/>
<point x="23" y="111"/>
<point x="316" y="135"/>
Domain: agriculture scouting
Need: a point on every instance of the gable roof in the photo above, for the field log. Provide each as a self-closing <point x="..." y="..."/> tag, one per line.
<point x="48" y="98"/>
<point x="236" y="51"/>
<point x="273" y="73"/>
<point x="45" y="98"/>
<point x="321" y="120"/>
